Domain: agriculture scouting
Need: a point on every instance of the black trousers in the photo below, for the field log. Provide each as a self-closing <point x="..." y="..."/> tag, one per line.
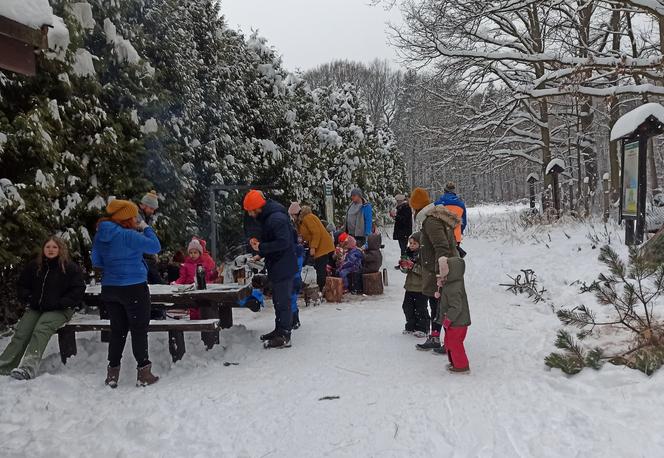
<point x="281" y="298"/>
<point x="320" y="264"/>
<point x="433" y="305"/>
<point x="128" y="308"/>
<point x="416" y="312"/>
<point x="403" y="244"/>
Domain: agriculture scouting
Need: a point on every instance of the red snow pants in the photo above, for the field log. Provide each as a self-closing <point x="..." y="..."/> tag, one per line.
<point x="456" y="353"/>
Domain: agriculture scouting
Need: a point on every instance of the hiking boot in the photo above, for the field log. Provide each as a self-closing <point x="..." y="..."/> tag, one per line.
<point x="20" y="374"/>
<point x="458" y="370"/>
<point x="112" y="376"/>
<point x="406" y="332"/>
<point x="269" y="335"/>
<point x="278" y="341"/>
<point x="431" y="343"/>
<point x="145" y="377"/>
<point x="419" y="334"/>
<point x="296" y="320"/>
<point x="440" y="350"/>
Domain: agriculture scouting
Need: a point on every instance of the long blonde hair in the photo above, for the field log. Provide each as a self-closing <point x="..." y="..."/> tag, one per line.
<point x="63" y="253"/>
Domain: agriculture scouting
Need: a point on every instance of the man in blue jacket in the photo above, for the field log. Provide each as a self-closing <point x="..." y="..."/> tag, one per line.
<point x="453" y="203"/>
<point x="277" y="246"/>
<point x="359" y="218"/>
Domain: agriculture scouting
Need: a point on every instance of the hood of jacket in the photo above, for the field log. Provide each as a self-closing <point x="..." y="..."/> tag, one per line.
<point x="270" y="208"/>
<point x="450" y="198"/>
<point x="374" y="242"/>
<point x="457" y="269"/>
<point x="108" y="230"/>
<point x="443" y="214"/>
<point x="421" y="216"/>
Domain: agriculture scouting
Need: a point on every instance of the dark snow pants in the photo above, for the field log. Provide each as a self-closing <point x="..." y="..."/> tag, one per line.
<point x="281" y="298"/>
<point x="416" y="313"/>
<point x="435" y="327"/>
<point x="128" y="308"/>
<point x="320" y="264"/>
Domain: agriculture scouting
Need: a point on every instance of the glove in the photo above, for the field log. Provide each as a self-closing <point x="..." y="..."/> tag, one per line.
<point x="142" y="225"/>
<point x="447" y="323"/>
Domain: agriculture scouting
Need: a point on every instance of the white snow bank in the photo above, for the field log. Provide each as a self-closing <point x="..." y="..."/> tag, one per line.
<point x="82" y="11"/>
<point x="33" y="13"/>
<point x="123" y="47"/>
<point x="555" y="162"/>
<point x="150" y="126"/>
<point x="631" y="120"/>
<point x="83" y="65"/>
<point x="58" y="38"/>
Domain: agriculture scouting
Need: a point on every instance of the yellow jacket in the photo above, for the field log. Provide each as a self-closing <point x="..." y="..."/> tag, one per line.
<point x="314" y="233"/>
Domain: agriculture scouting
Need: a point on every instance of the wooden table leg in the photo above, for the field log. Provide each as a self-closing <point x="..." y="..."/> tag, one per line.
<point x="225" y="316"/>
<point x="67" y="344"/>
<point x="103" y="315"/>
<point x="208" y="311"/>
<point x="176" y="345"/>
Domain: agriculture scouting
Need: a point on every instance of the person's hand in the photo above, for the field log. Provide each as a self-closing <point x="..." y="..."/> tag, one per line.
<point x="254" y="243"/>
<point x="256" y="258"/>
<point x="312" y="251"/>
<point x="447" y="323"/>
<point x="142" y="225"/>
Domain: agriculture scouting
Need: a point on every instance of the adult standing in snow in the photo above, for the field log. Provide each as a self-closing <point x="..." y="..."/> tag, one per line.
<point x="321" y="244"/>
<point x="50" y="286"/>
<point x="118" y="250"/>
<point x="403" y="223"/>
<point x="453" y="203"/>
<point x="277" y="246"/>
<point x="359" y="218"/>
<point x="438" y="241"/>
<point x="146" y="212"/>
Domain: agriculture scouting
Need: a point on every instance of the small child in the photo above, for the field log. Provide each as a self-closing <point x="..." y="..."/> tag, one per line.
<point x="414" y="302"/>
<point x="453" y="313"/>
<point x="352" y="261"/>
<point x="197" y="256"/>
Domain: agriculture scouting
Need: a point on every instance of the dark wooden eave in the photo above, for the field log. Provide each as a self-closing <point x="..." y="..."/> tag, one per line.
<point x="17" y="46"/>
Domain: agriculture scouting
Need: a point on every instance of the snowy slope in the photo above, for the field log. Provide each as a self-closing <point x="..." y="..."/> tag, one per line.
<point x="394" y="401"/>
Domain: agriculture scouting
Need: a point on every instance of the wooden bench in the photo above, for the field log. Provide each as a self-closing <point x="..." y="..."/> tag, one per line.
<point x="175" y="329"/>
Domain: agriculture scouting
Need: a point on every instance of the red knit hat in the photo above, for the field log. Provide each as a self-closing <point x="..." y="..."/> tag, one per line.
<point x="342" y="237"/>
<point x="254" y="200"/>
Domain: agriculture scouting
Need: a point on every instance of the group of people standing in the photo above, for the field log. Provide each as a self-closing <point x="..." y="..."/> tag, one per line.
<point x="435" y="300"/>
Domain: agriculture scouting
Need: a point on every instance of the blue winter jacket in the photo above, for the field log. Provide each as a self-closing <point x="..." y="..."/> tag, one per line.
<point x="297" y="280"/>
<point x="277" y="243"/>
<point x="119" y="253"/>
<point x="450" y="198"/>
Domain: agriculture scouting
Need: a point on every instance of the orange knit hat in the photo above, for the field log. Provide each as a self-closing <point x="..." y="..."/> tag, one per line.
<point x="419" y="199"/>
<point x="254" y="200"/>
<point x="121" y="210"/>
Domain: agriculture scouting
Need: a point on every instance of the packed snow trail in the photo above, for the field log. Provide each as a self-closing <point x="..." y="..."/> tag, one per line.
<point x="393" y="401"/>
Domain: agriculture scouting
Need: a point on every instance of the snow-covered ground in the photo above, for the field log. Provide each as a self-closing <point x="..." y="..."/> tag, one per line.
<point x="393" y="400"/>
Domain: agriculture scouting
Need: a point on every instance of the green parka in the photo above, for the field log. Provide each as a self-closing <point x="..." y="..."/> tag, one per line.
<point x="437" y="241"/>
<point x="453" y="299"/>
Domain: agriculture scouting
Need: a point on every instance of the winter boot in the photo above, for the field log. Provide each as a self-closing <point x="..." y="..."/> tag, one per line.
<point x="440" y="350"/>
<point x="419" y="334"/>
<point x="458" y="370"/>
<point x="145" y="377"/>
<point x="112" y="376"/>
<point x="431" y="343"/>
<point x="20" y="374"/>
<point x="278" y="341"/>
<point x="269" y="335"/>
<point x="296" y="320"/>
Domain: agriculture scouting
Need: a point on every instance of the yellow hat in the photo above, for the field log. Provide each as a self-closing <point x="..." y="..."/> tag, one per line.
<point x="419" y="199"/>
<point x="121" y="210"/>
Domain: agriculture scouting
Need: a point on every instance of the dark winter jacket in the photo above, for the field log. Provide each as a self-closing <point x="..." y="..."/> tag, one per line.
<point x="373" y="258"/>
<point x="453" y="299"/>
<point x="277" y="242"/>
<point x="454" y="204"/>
<point x="403" y="222"/>
<point x="50" y="288"/>
<point x="437" y="241"/>
<point x="119" y="253"/>
<point x="413" y="282"/>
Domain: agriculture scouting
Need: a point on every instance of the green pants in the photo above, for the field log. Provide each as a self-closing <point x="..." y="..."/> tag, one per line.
<point x="33" y="332"/>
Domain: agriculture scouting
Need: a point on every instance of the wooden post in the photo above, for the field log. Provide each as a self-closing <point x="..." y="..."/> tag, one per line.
<point x="67" y="343"/>
<point x="607" y="196"/>
<point x="571" y="196"/>
<point x="372" y="284"/>
<point x="385" y="279"/>
<point x="556" y="194"/>
<point x="586" y="195"/>
<point x="642" y="190"/>
<point x="531" y="180"/>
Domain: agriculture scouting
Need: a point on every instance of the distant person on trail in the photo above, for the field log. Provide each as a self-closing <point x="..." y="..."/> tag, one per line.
<point x="359" y="218"/>
<point x="453" y="203"/>
<point x="277" y="246"/>
<point x="319" y="240"/>
<point x="50" y="286"/>
<point x="146" y="212"/>
<point x="403" y="223"/>
<point x="117" y="250"/>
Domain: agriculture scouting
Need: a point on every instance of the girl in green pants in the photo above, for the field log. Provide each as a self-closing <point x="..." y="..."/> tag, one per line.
<point x="50" y="286"/>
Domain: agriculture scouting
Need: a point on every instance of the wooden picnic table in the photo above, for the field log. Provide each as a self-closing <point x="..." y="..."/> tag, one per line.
<point x="215" y="302"/>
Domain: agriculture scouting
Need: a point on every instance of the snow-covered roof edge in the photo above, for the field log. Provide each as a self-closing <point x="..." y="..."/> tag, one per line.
<point x="630" y="121"/>
<point x="556" y="161"/>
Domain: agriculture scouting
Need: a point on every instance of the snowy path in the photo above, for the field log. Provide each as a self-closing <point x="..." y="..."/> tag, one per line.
<point x="394" y="401"/>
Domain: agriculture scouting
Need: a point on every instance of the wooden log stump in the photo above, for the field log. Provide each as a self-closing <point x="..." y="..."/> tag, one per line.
<point x="373" y="284"/>
<point x="334" y="289"/>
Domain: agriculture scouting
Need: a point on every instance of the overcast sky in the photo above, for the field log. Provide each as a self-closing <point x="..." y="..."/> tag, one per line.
<point x="311" y="32"/>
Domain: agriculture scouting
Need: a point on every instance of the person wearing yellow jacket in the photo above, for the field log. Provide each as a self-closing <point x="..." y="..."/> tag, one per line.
<point x="321" y="244"/>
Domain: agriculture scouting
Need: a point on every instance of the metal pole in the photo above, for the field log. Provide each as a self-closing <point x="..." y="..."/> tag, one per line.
<point x="213" y="225"/>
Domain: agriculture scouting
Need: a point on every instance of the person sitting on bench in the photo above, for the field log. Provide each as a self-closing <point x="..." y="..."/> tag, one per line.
<point x="50" y="286"/>
<point x="352" y="261"/>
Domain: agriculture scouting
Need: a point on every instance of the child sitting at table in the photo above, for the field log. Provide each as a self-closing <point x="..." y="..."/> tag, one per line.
<point x="197" y="257"/>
